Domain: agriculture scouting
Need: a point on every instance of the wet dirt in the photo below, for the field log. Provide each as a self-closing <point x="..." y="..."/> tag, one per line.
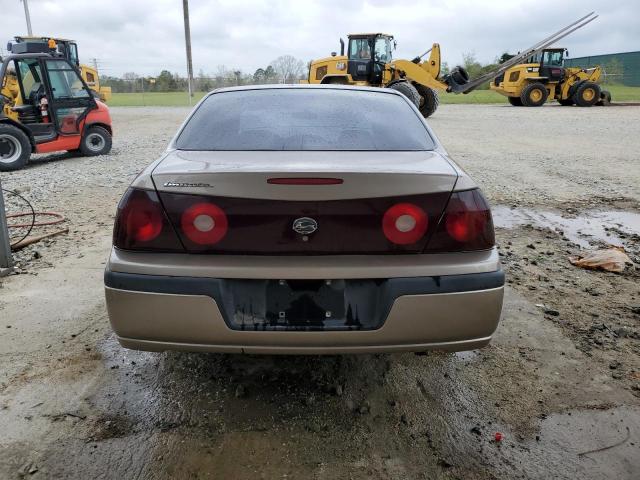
<point x="560" y="382"/>
<point x="587" y="229"/>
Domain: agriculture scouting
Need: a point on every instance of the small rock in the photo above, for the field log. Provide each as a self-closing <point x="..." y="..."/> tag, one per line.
<point x="617" y="375"/>
<point x="622" y="332"/>
<point x="614" y="365"/>
<point x="37" y="254"/>
<point x="531" y="246"/>
<point x="598" y="341"/>
<point x="28" y="468"/>
<point x="339" y="390"/>
<point x="476" y="430"/>
<point x="553" y="313"/>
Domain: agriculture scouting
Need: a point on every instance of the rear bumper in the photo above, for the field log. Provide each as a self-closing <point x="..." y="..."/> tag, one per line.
<point x="452" y="312"/>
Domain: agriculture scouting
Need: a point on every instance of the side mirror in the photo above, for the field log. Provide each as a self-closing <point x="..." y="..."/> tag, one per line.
<point x="333" y="54"/>
<point x="566" y="53"/>
<point x="395" y="44"/>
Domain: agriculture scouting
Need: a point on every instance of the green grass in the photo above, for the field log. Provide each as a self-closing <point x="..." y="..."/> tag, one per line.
<point x="622" y="93"/>
<point x="619" y="93"/>
<point x="477" y="96"/>
<point x="153" y="99"/>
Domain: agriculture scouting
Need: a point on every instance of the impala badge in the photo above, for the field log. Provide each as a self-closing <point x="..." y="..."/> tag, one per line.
<point x="305" y="225"/>
<point x="186" y="185"/>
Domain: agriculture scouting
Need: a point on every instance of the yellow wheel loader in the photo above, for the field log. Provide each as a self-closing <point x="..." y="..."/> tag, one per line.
<point x="368" y="61"/>
<point x="544" y="76"/>
<point x="64" y="48"/>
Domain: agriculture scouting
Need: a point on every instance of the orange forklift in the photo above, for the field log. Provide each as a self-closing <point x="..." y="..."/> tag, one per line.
<point x="46" y="106"/>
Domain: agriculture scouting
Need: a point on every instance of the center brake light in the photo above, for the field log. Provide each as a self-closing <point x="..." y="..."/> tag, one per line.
<point x="305" y="181"/>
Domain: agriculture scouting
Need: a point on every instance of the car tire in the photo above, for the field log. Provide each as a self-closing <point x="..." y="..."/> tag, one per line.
<point x="566" y="102"/>
<point x="15" y="148"/>
<point x="587" y="94"/>
<point x="534" y="95"/>
<point x="408" y="91"/>
<point x="95" y="141"/>
<point x="515" y="101"/>
<point x="429" y="100"/>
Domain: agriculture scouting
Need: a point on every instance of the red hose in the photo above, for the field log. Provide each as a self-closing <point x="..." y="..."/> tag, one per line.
<point x="58" y="219"/>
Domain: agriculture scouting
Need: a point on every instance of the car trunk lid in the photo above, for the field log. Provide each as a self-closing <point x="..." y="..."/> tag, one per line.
<point x="271" y="207"/>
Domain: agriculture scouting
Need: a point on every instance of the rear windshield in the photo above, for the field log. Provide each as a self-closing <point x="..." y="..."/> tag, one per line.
<point x="304" y="119"/>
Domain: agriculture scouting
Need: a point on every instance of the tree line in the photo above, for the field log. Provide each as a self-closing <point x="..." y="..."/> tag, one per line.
<point x="284" y="69"/>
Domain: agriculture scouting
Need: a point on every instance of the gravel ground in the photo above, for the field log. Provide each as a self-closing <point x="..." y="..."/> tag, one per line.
<point x="560" y="382"/>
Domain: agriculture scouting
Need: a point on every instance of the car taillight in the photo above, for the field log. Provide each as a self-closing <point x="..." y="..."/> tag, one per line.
<point x="142" y="225"/>
<point x="204" y="223"/>
<point x="465" y="225"/>
<point x="404" y="223"/>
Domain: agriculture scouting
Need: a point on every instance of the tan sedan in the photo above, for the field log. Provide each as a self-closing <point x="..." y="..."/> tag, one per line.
<point x="304" y="219"/>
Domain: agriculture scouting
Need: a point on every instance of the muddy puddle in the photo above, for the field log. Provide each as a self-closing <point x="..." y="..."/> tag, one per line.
<point x="585" y="230"/>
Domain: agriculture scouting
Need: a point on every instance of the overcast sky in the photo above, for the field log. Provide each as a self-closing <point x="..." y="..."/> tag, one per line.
<point x="146" y="36"/>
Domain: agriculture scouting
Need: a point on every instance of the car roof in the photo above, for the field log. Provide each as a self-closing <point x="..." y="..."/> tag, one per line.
<point x="305" y="86"/>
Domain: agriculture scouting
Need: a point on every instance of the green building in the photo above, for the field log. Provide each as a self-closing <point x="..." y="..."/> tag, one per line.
<point x="623" y="68"/>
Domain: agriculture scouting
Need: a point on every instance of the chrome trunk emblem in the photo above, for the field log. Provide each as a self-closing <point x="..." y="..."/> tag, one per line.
<point x="305" y="225"/>
<point x="186" y="185"/>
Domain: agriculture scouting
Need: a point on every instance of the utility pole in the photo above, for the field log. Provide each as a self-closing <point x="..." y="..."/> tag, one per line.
<point x="187" y="39"/>
<point x="6" y="260"/>
<point x="142" y="86"/>
<point x="27" y="16"/>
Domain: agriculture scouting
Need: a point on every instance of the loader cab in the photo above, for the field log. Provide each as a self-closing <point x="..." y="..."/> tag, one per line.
<point x="367" y="56"/>
<point x="552" y="64"/>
